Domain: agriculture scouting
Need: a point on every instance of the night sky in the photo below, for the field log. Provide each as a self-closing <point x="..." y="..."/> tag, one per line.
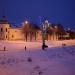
<point x="56" y="11"/>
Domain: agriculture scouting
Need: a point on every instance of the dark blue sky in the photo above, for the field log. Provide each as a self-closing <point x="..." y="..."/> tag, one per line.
<point x="62" y="11"/>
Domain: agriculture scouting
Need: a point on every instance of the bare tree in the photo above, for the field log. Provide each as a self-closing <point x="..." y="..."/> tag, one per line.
<point x="30" y="29"/>
<point x="26" y="29"/>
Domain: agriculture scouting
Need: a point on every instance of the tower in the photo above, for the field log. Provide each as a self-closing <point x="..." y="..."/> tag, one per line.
<point x="4" y="28"/>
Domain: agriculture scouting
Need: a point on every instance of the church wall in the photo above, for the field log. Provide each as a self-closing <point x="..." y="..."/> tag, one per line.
<point x="4" y="31"/>
<point x="15" y="34"/>
<point x="9" y="33"/>
<point x="39" y="36"/>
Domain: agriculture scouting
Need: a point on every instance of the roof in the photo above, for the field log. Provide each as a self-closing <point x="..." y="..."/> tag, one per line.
<point x="3" y="20"/>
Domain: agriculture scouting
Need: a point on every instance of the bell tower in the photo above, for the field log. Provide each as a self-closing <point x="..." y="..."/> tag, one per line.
<point x="4" y="28"/>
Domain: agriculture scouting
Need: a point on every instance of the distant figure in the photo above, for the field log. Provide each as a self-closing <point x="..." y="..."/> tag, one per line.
<point x="43" y="47"/>
<point x="63" y="44"/>
<point x="4" y="48"/>
<point x="25" y="48"/>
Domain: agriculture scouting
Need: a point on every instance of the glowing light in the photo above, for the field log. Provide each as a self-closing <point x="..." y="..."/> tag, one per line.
<point x="69" y="29"/>
<point x="55" y="26"/>
<point x="26" y="22"/>
<point x="46" y="21"/>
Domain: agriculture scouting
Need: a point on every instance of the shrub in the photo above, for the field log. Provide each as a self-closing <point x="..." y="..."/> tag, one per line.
<point x="29" y="59"/>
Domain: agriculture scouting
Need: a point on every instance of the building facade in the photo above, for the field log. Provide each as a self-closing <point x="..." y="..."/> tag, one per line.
<point x="27" y="32"/>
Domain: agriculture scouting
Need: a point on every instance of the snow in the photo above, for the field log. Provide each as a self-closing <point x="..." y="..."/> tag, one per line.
<point x="55" y="60"/>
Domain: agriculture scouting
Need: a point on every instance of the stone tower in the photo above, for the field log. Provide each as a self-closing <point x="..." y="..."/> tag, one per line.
<point x="4" y="29"/>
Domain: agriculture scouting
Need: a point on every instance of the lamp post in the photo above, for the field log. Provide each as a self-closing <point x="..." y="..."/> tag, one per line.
<point x="25" y="29"/>
<point x="26" y="22"/>
<point x="44" y="31"/>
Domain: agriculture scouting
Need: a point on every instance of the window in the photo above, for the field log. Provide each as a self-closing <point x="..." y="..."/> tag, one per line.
<point x="12" y="36"/>
<point x="6" y="36"/>
<point x="6" y="29"/>
<point x="1" y="29"/>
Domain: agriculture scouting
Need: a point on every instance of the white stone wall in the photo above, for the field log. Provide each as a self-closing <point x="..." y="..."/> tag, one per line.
<point x="9" y="33"/>
<point x="16" y="34"/>
<point x="4" y="31"/>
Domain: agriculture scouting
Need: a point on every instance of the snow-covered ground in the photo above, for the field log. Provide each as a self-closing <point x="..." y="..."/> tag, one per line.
<point x="20" y="45"/>
<point x="55" y="60"/>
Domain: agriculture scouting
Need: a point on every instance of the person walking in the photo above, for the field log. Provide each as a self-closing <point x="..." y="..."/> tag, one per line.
<point x="4" y="48"/>
<point x="25" y="48"/>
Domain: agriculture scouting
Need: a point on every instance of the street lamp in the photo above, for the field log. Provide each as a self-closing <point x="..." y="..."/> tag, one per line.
<point x="44" y="31"/>
<point x="26" y="22"/>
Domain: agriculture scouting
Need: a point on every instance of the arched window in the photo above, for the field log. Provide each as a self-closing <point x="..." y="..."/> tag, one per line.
<point x="6" y="29"/>
<point x="6" y="36"/>
<point x="1" y="29"/>
<point x="12" y="36"/>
